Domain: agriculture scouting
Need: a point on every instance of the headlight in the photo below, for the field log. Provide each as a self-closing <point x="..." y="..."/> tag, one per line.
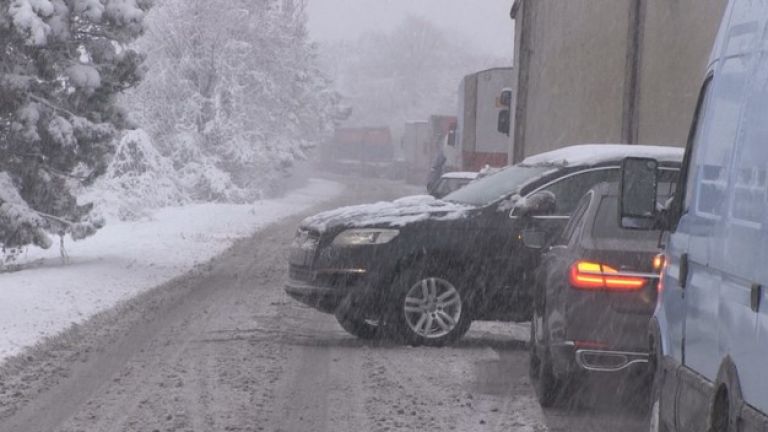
<point x="360" y="237"/>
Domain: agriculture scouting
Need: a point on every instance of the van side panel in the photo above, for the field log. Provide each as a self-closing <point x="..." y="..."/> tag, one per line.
<point x="745" y="230"/>
<point x="725" y="223"/>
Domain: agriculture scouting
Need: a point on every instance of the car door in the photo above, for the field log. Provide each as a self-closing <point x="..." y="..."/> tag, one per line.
<point x="552" y="277"/>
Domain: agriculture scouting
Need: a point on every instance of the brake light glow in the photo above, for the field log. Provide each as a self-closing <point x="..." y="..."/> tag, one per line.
<point x="662" y="272"/>
<point x="658" y="262"/>
<point x="588" y="275"/>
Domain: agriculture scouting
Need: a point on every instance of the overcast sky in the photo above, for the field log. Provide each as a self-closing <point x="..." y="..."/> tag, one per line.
<point x="486" y="23"/>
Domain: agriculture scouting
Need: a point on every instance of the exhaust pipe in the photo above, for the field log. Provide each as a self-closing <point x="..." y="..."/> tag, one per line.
<point x="608" y="361"/>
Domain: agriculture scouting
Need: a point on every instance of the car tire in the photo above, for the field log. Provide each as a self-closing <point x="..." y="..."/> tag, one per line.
<point x="431" y="306"/>
<point x="550" y="390"/>
<point x="358" y="327"/>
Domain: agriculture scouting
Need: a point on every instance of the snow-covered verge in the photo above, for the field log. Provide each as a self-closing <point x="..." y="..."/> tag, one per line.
<point x="127" y="258"/>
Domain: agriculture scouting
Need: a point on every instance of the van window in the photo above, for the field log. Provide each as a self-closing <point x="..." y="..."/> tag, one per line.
<point x="701" y="110"/>
<point x="750" y="176"/>
<point x="714" y="141"/>
<point x="744" y="243"/>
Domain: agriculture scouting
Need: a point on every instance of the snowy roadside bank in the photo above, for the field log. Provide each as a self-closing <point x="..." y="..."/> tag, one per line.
<point x="127" y="258"/>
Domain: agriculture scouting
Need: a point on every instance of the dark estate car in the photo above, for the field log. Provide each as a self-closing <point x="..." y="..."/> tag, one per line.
<point x="595" y="294"/>
<point x="425" y="268"/>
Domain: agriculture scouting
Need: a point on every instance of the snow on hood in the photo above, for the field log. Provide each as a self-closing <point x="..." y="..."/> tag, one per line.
<point x="592" y="154"/>
<point x="396" y="213"/>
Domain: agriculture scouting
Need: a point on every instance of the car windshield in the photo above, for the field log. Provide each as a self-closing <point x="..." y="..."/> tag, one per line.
<point x="489" y="189"/>
<point x="448" y="185"/>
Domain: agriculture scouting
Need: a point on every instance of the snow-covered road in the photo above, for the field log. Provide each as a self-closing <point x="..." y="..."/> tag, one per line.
<point x="224" y="349"/>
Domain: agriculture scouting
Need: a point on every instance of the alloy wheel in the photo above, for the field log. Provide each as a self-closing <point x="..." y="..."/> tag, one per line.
<point x="432" y="308"/>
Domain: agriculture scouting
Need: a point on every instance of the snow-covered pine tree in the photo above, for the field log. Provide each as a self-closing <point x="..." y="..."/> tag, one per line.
<point x="62" y="63"/>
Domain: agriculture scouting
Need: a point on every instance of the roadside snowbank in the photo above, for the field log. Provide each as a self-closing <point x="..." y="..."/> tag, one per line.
<point x="126" y="258"/>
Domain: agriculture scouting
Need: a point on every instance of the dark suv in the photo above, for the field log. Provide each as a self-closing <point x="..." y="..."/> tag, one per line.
<point x="425" y="268"/>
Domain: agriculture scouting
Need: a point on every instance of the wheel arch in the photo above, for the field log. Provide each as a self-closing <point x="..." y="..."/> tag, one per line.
<point x="727" y="390"/>
<point x="452" y="261"/>
<point x="658" y="324"/>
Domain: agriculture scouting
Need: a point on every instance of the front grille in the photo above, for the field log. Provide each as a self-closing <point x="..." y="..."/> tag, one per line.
<point x="300" y="273"/>
<point x="304" y="248"/>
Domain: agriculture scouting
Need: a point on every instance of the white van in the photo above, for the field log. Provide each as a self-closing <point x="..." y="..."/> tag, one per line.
<point x="709" y="334"/>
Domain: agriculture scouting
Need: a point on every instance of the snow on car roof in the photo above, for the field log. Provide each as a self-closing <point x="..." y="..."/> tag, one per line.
<point x="592" y="154"/>
<point x="470" y="175"/>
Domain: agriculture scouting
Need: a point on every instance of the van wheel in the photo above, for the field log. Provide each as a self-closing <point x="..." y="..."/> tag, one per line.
<point x="358" y="327"/>
<point x="431" y="308"/>
<point x="721" y="413"/>
<point x="724" y="412"/>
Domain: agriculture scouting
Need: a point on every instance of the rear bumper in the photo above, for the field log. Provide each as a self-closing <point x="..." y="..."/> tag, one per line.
<point x="568" y="359"/>
<point x="609" y="361"/>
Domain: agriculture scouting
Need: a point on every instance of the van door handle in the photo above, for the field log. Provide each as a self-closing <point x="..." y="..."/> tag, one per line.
<point x="755" y="297"/>
<point x="683" y="276"/>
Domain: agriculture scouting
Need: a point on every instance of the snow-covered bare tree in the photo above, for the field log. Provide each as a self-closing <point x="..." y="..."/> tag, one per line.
<point x="62" y="63"/>
<point x="235" y="95"/>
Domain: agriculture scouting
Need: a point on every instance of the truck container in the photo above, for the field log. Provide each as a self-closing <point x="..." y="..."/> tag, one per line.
<point x="365" y="150"/>
<point x="480" y="106"/>
<point x="424" y="144"/>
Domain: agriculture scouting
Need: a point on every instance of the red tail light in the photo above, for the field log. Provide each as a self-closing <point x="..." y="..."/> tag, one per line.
<point x="588" y="275"/>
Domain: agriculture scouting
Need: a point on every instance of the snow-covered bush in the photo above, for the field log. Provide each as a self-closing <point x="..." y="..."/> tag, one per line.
<point x="138" y="178"/>
<point x="63" y="64"/>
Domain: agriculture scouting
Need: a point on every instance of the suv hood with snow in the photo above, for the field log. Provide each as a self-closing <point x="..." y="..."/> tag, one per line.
<point x="395" y="214"/>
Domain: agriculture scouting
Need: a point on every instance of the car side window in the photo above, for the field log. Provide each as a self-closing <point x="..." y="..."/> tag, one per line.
<point x="578" y="215"/>
<point x="571" y="189"/>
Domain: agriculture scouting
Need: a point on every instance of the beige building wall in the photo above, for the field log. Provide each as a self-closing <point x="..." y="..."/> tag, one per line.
<point x="599" y="71"/>
<point x="677" y="40"/>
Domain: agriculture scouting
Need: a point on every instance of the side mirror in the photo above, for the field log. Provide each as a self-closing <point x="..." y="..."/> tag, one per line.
<point x="432" y="189"/>
<point x="505" y="99"/>
<point x="542" y="203"/>
<point x="503" y="124"/>
<point x="534" y="239"/>
<point x="639" y="187"/>
<point x="451" y="141"/>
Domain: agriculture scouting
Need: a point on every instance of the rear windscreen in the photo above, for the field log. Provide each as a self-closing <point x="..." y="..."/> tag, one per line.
<point x="606" y="225"/>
